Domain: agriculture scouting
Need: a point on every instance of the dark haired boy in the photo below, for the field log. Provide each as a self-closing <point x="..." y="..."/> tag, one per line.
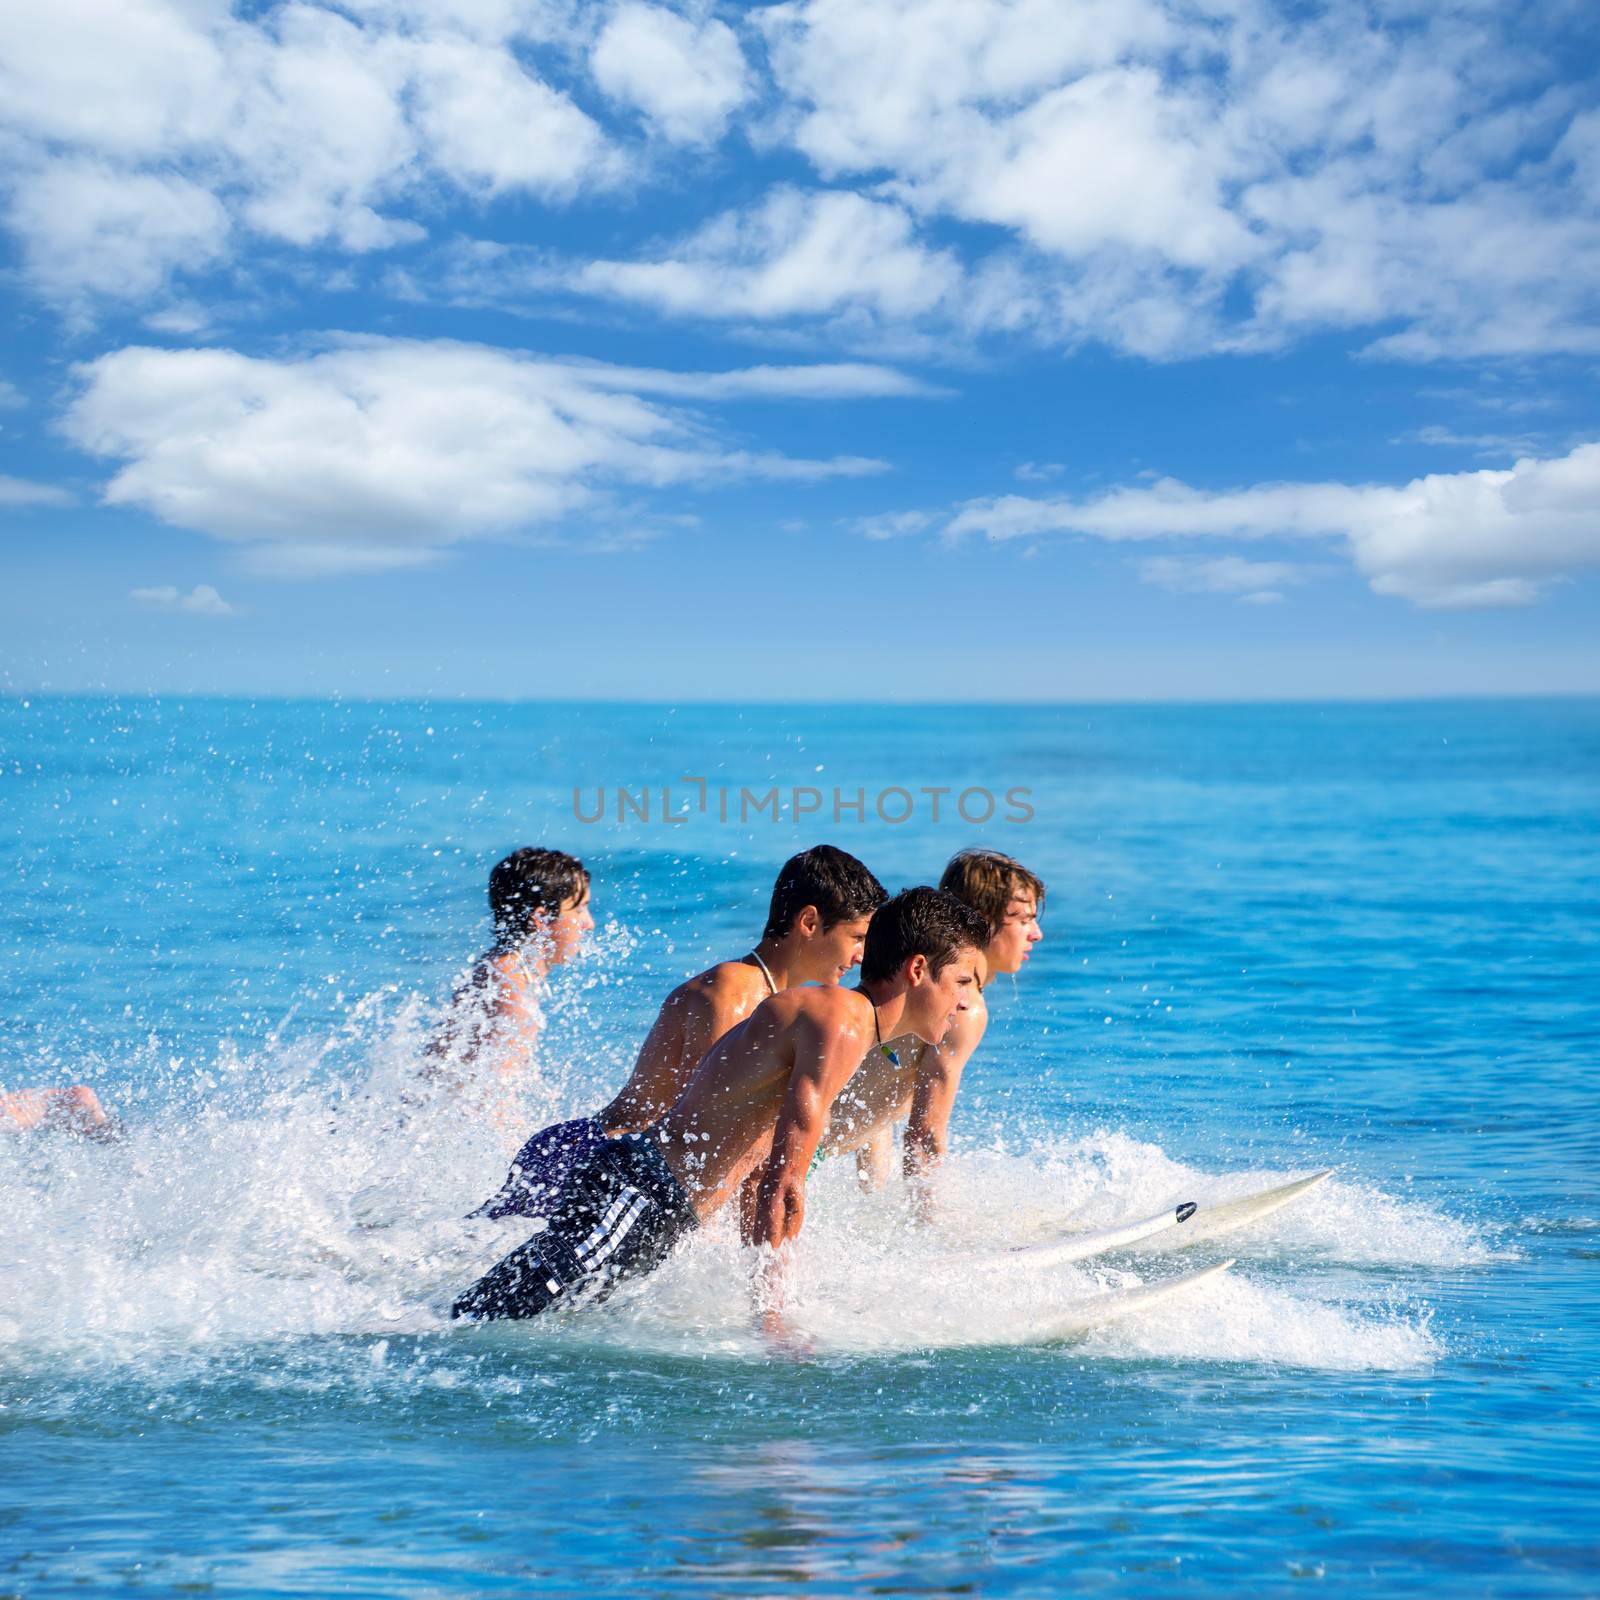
<point x="759" y="1101"/>
<point x="539" y="900"/>
<point x="821" y="903"/>
<point x="1009" y="897"/>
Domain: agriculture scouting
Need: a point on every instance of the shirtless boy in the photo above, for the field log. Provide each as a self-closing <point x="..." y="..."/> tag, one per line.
<point x="759" y="1101"/>
<point x="76" y="1109"/>
<point x="918" y="1081"/>
<point x="539" y="900"/>
<point x="821" y="904"/>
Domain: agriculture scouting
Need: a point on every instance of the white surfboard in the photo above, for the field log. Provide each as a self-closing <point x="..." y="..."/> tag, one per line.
<point x="1066" y="1247"/>
<point x="1226" y="1216"/>
<point x="1175" y="1228"/>
<point x="1078" y="1318"/>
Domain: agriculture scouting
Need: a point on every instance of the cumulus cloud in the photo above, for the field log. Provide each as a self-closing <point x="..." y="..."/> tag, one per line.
<point x="201" y="601"/>
<point x="798" y="253"/>
<point x="378" y="453"/>
<point x="104" y="231"/>
<point x="147" y="139"/>
<point x="1166" y="180"/>
<point x="686" y="77"/>
<point x="491" y="127"/>
<point x="1447" y="540"/>
<point x="1174" y="181"/>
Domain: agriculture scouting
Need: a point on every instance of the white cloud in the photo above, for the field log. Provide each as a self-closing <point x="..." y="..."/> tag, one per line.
<point x="377" y="453"/>
<point x="201" y="601"/>
<point x="140" y="79"/>
<point x="160" y="135"/>
<point x="686" y="77"/>
<point x="1161" y="179"/>
<point x="827" y="380"/>
<point x="895" y="524"/>
<point x="1483" y="444"/>
<point x="317" y="129"/>
<point x="1490" y="538"/>
<point x="1251" y="582"/>
<point x="1224" y="178"/>
<point x="799" y="253"/>
<point x="184" y="319"/>
<point x="105" y="231"/>
<point x="491" y="127"/>
<point x="22" y="492"/>
<point x="1039" y="471"/>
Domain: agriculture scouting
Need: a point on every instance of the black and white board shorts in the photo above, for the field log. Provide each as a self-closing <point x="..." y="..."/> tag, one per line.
<point x="618" y="1216"/>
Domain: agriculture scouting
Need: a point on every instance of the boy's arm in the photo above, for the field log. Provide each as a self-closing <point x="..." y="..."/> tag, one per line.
<point x="516" y="1011"/>
<point x="824" y="1064"/>
<point x="874" y="1159"/>
<point x="933" y="1098"/>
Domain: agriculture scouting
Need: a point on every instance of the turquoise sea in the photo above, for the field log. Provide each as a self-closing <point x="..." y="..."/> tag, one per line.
<point x="1277" y="938"/>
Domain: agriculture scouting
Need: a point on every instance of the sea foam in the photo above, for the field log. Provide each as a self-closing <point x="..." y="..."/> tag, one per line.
<point x="282" y="1206"/>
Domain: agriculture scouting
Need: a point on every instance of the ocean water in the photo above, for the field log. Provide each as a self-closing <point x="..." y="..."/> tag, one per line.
<point x="1277" y="939"/>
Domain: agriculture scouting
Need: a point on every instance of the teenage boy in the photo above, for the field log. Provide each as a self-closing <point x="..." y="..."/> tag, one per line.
<point x="821" y="904"/>
<point x="76" y="1109"/>
<point x="759" y="1101"/>
<point x="539" y="900"/>
<point x="920" y="1082"/>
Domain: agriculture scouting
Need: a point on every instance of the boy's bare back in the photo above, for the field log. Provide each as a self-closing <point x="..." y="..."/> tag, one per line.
<point x="692" y="1019"/>
<point x="798" y="1046"/>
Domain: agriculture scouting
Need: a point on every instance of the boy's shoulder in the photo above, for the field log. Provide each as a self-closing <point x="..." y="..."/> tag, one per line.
<point x="726" y="978"/>
<point x="730" y="986"/>
<point x="827" y="1005"/>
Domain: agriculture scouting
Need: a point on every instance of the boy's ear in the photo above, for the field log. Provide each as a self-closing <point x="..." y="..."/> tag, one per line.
<point x="916" y="968"/>
<point x="807" y="921"/>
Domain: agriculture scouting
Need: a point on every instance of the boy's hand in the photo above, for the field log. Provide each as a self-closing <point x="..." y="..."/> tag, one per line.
<point x="780" y="1208"/>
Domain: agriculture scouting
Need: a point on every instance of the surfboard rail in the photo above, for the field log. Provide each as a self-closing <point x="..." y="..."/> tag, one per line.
<point x="1172" y="1228"/>
<point x="1092" y="1311"/>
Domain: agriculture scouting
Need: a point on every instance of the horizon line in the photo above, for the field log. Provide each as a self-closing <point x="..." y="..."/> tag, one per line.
<point x="1120" y="701"/>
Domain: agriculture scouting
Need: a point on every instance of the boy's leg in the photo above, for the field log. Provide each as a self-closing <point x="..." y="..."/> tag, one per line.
<point x="540" y="1169"/>
<point x="619" y="1216"/>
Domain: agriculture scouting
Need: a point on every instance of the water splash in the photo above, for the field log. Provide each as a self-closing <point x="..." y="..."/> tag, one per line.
<point x="270" y="1202"/>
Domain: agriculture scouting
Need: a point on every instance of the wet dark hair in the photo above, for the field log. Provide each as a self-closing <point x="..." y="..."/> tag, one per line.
<point x="920" y="922"/>
<point x="529" y="881"/>
<point x="988" y="881"/>
<point x="835" y="883"/>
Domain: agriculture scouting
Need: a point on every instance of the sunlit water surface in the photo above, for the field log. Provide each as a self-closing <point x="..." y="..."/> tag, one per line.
<point x="1276" y="940"/>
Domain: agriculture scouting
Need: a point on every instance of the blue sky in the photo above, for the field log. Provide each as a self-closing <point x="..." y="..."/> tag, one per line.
<point x="940" y="349"/>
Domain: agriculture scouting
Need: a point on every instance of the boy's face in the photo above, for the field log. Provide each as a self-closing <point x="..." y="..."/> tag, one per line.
<point x="831" y="952"/>
<point x="1018" y="933"/>
<point x="937" y="999"/>
<point x="564" y="932"/>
